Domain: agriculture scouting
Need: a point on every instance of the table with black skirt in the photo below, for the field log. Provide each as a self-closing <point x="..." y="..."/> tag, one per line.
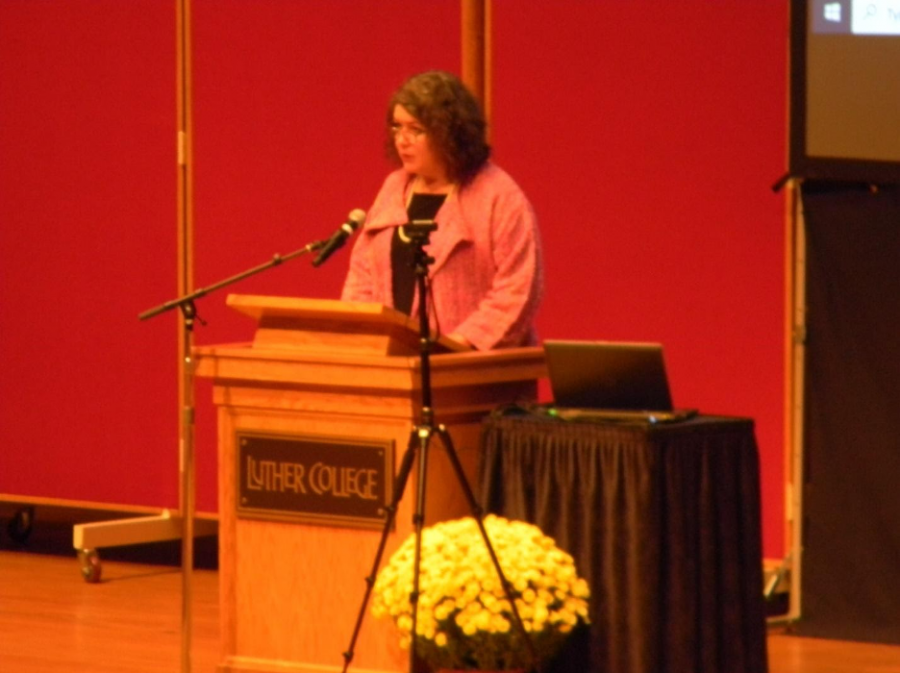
<point x="663" y="521"/>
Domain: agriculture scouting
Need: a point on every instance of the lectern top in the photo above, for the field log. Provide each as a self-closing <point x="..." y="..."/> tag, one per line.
<point x="257" y="307"/>
<point x="332" y="325"/>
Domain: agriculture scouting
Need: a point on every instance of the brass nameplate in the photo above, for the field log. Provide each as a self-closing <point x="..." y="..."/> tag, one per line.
<point x="314" y="479"/>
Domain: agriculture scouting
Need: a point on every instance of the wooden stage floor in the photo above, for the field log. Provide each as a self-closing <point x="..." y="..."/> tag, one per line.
<point x="52" y="621"/>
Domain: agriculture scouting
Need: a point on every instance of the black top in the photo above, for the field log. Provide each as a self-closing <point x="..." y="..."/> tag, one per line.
<point x="403" y="276"/>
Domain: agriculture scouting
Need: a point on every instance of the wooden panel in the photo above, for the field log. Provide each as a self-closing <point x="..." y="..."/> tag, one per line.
<point x="295" y="585"/>
<point x="237" y="362"/>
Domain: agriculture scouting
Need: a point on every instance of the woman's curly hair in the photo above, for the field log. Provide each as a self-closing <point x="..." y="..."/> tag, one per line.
<point x="452" y="118"/>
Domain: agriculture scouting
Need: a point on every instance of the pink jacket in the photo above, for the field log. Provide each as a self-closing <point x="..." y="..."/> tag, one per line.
<point x="486" y="278"/>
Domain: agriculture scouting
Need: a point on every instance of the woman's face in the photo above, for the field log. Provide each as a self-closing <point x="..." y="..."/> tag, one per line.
<point x="414" y="147"/>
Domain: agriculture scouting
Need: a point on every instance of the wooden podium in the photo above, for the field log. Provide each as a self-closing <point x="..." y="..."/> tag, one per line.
<point x="325" y="379"/>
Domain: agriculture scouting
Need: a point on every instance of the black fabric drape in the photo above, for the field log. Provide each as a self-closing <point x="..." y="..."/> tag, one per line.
<point x="663" y="522"/>
<point x="851" y="502"/>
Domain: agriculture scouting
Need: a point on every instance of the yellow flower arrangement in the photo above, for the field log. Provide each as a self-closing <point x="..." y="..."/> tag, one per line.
<point x="464" y="620"/>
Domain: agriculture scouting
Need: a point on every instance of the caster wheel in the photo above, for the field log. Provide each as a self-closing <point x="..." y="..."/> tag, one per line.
<point x="90" y="565"/>
<point x="20" y="526"/>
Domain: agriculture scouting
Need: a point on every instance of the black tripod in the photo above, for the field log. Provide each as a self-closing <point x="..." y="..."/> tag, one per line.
<point x="419" y="442"/>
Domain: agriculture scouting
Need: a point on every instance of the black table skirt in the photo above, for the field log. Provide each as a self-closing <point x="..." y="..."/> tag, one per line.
<point x="664" y="523"/>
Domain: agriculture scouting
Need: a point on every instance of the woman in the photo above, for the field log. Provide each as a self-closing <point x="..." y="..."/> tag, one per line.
<point x="486" y="277"/>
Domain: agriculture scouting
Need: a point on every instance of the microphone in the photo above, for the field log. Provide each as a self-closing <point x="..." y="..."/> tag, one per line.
<point x="338" y="238"/>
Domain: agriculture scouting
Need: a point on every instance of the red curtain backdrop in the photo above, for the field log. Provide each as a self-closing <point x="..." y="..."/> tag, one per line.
<point x="646" y="134"/>
<point x="87" y="240"/>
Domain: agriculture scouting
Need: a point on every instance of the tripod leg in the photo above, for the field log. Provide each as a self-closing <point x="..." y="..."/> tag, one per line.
<point x="389" y="516"/>
<point x="423" y="434"/>
<point x="478" y="515"/>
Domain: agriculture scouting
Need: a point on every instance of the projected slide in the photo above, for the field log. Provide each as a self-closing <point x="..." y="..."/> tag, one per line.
<point x="857" y="17"/>
<point x="850" y="82"/>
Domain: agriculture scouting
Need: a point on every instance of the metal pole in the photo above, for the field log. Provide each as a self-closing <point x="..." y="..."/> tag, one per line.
<point x="185" y="285"/>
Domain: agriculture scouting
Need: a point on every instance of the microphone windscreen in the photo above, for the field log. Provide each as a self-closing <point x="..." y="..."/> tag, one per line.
<point x="357" y="217"/>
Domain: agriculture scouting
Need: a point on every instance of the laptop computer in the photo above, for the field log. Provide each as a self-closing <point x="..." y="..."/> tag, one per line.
<point x="606" y="380"/>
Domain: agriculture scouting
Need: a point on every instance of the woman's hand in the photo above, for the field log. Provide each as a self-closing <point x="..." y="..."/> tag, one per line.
<point x="459" y="338"/>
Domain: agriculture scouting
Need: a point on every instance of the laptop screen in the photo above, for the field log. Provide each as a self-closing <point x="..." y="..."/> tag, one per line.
<point x="608" y="375"/>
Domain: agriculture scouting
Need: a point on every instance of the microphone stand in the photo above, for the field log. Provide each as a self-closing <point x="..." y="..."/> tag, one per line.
<point x="419" y="441"/>
<point x="186" y="441"/>
<point x="181" y="302"/>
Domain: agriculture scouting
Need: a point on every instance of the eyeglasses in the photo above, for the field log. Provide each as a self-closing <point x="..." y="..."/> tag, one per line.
<point x="410" y="132"/>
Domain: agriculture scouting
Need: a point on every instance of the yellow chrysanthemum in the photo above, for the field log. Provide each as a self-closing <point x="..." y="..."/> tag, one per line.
<point x="461" y="593"/>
